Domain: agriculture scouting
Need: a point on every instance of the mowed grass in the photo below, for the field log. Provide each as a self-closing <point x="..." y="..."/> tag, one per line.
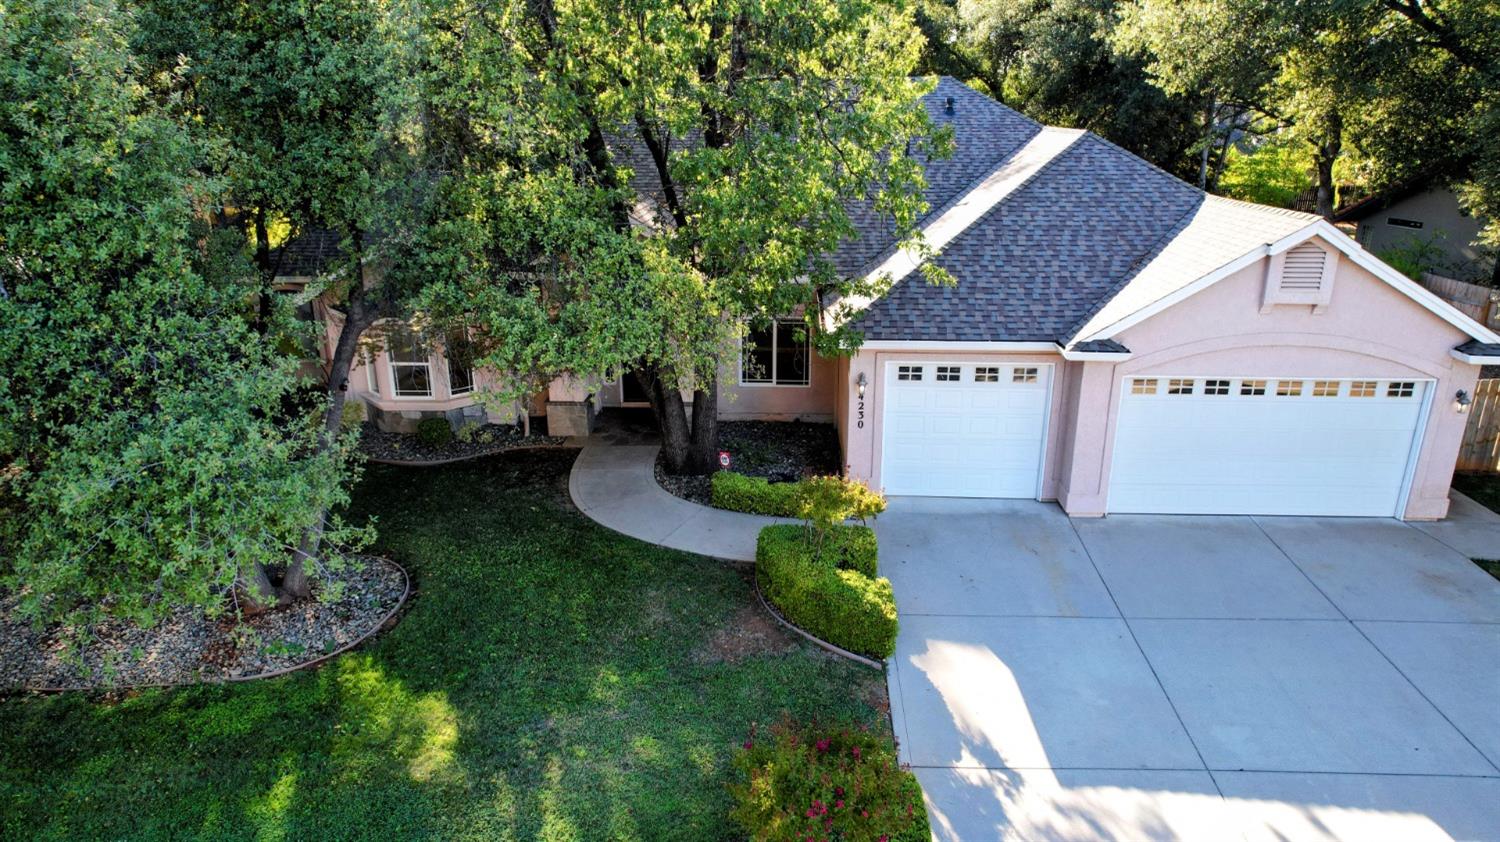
<point x="550" y="680"/>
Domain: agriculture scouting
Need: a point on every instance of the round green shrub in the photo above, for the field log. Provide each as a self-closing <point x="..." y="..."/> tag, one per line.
<point x="434" y="432"/>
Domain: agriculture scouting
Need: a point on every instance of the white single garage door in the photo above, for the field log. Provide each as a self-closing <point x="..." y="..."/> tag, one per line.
<point x="1275" y="446"/>
<point x="964" y="430"/>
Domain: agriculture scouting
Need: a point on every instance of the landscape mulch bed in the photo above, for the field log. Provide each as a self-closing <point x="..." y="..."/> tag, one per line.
<point x="487" y="439"/>
<point x="780" y="451"/>
<point x="189" y="647"/>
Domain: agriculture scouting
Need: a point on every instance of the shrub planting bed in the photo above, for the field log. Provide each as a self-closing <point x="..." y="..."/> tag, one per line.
<point x="776" y="451"/>
<point x="190" y="647"/>
<point x="468" y="442"/>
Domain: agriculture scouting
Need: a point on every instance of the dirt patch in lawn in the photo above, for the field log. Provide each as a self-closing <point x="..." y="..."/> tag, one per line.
<point x="191" y="647"/>
<point x="780" y="451"/>
<point x="748" y="633"/>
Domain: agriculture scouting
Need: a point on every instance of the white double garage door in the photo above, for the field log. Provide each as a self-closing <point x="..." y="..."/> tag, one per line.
<point x="1182" y="445"/>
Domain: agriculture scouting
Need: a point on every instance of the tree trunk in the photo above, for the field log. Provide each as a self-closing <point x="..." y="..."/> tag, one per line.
<point x="267" y="272"/>
<point x="1325" y="153"/>
<point x="296" y="584"/>
<point x="259" y="594"/>
<point x="1208" y="142"/>
<point x="671" y="418"/>
<point x="703" y="456"/>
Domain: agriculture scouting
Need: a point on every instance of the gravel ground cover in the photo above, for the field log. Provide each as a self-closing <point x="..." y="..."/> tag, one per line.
<point x="485" y="440"/>
<point x="190" y="647"/>
<point x="780" y="451"/>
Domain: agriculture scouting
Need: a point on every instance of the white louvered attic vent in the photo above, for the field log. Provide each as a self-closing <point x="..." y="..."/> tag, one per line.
<point x="1303" y="270"/>
<point x="1303" y="274"/>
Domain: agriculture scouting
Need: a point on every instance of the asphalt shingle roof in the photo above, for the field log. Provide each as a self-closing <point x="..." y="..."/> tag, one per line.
<point x="985" y="133"/>
<point x="307" y="254"/>
<point x="1044" y="258"/>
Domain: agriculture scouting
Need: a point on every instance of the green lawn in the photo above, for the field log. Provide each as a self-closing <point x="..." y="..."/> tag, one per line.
<point x="550" y="680"/>
<point x="1484" y="488"/>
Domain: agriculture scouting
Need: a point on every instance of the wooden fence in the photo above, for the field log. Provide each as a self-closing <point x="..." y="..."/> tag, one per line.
<point x="1481" y="447"/>
<point x="1482" y="304"/>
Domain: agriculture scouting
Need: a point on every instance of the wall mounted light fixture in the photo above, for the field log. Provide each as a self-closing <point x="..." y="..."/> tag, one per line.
<point x="1461" y="402"/>
<point x="860" y="382"/>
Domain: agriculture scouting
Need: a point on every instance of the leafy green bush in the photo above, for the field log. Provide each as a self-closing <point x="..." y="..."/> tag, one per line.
<point x="739" y="493"/>
<point x="466" y="431"/>
<point x="434" y="432"/>
<point x="818" y="500"/>
<point x="825" y="783"/>
<point x="831" y="589"/>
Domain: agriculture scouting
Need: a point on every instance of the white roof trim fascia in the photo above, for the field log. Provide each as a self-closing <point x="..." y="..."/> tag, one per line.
<point x="1008" y="177"/>
<point x="1096" y="356"/>
<point x="939" y="345"/>
<point x="1377" y="267"/>
<point x="1474" y="359"/>
<point x="1333" y="236"/>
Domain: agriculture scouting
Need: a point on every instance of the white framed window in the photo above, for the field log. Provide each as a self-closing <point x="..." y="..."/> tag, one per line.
<point x="1252" y="387"/>
<point x="458" y="355"/>
<point x="1325" y="388"/>
<point x="1363" y="389"/>
<point x="948" y="374"/>
<point x="1289" y="388"/>
<point x="372" y="377"/>
<point x="411" y="364"/>
<point x="1143" y="386"/>
<point x="1178" y="386"/>
<point x="1023" y="375"/>
<point x="777" y="355"/>
<point x="987" y="374"/>
<point x="1216" y="387"/>
<point x="908" y="372"/>
<point x="1400" y="389"/>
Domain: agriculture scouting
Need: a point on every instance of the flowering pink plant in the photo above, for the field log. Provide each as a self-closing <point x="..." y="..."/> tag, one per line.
<point x="828" y="784"/>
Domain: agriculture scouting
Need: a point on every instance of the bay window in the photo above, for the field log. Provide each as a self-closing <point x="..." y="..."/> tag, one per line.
<point x="411" y="365"/>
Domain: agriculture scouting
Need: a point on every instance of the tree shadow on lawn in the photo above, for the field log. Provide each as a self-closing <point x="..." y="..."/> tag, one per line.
<point x="550" y="679"/>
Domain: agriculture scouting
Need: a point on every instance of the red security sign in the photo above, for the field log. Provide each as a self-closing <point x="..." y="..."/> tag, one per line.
<point x="724" y="459"/>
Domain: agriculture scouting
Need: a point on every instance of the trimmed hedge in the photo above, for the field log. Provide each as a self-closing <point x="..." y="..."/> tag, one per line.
<point x="836" y="497"/>
<point x="834" y="594"/>
<point x="754" y="495"/>
<point x="812" y="782"/>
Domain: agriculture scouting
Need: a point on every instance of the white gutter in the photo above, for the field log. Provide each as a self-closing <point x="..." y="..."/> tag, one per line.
<point x="1474" y="359"/>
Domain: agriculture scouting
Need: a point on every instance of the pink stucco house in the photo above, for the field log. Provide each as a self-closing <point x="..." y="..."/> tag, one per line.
<point x="1117" y="341"/>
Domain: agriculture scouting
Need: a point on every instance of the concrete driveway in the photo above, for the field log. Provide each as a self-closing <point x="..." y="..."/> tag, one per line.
<point x="1195" y="677"/>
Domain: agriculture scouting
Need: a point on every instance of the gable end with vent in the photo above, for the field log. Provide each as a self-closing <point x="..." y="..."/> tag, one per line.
<point x="1301" y="275"/>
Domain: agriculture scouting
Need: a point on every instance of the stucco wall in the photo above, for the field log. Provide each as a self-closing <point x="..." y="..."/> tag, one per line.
<point x="1368" y="330"/>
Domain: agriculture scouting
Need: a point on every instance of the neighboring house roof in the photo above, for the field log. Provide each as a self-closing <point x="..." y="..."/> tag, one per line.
<point x="307" y="254"/>
<point x="1371" y="205"/>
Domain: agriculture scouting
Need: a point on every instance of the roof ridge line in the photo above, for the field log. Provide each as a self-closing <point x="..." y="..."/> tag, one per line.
<point x="1006" y="186"/>
<point x="1136" y="267"/>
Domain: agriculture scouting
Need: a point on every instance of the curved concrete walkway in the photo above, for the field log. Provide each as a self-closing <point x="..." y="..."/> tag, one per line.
<point x="616" y="486"/>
